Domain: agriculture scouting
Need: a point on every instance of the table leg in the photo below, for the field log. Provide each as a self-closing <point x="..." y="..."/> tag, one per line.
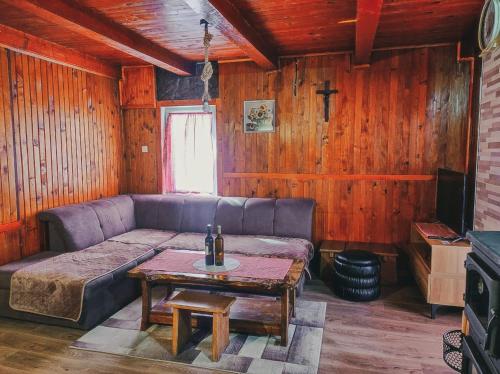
<point x="293" y="297"/>
<point x="220" y="334"/>
<point x="434" y="309"/>
<point x="181" y="329"/>
<point x="285" y="310"/>
<point x="146" y="303"/>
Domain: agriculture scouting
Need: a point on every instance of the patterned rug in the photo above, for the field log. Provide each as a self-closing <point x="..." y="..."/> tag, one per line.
<point x="120" y="334"/>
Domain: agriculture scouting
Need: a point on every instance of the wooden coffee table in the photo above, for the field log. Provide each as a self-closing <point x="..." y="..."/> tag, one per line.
<point x="251" y="313"/>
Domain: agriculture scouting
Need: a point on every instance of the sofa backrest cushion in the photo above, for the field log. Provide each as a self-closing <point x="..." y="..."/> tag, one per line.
<point x="199" y="211"/>
<point x="146" y="211"/>
<point x="109" y="218"/>
<point x="229" y="214"/>
<point x="258" y="217"/>
<point x="77" y="225"/>
<point x="125" y="206"/>
<point x="170" y="212"/>
<point x="294" y="218"/>
<point x="160" y="212"/>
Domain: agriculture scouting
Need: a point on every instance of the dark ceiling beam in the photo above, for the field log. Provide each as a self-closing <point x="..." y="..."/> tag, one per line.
<point x="96" y="27"/>
<point x="34" y="46"/>
<point x="367" y="19"/>
<point x="226" y="17"/>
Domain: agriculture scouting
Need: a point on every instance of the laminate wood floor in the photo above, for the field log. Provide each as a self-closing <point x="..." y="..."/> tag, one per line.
<point x="391" y="335"/>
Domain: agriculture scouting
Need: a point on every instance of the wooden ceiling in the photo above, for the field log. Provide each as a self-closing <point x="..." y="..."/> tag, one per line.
<point x="256" y="29"/>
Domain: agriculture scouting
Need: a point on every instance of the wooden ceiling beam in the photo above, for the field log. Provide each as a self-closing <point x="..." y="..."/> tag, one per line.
<point x="367" y="19"/>
<point x="226" y="17"/>
<point x="96" y="27"/>
<point x="34" y="46"/>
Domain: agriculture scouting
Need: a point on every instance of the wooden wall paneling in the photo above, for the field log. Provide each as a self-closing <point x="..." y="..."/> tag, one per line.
<point x="371" y="169"/>
<point x="9" y="224"/>
<point x="62" y="130"/>
<point x="138" y="87"/>
<point x="20" y="129"/>
<point x="141" y="128"/>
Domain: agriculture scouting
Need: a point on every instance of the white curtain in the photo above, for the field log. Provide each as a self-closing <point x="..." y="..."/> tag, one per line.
<point x="192" y="152"/>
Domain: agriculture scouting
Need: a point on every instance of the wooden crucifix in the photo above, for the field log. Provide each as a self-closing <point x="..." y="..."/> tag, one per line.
<point x="326" y="92"/>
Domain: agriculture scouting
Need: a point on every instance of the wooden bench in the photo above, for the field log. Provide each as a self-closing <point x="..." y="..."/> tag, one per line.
<point x="187" y="302"/>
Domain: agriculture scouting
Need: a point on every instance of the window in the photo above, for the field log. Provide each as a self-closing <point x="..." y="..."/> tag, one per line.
<point x="189" y="154"/>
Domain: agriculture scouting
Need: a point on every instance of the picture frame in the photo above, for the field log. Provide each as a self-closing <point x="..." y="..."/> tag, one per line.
<point x="259" y="116"/>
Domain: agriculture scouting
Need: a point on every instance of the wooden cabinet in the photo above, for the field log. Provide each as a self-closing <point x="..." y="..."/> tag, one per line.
<point x="138" y="87"/>
<point x="438" y="268"/>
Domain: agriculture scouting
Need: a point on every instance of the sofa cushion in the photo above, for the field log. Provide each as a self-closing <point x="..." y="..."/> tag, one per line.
<point x="170" y="212"/>
<point x="77" y="225"/>
<point x="229" y="214"/>
<point x="109" y="218"/>
<point x="293" y="218"/>
<point x="55" y="287"/>
<point x="250" y="245"/>
<point x="149" y="237"/>
<point x="258" y="218"/>
<point x="199" y="211"/>
<point x="125" y="206"/>
<point x="7" y="270"/>
<point x="160" y="212"/>
<point x="146" y="211"/>
<point x="119" y="273"/>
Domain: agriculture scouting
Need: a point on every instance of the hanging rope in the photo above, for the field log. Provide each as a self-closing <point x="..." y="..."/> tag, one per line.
<point x="207" y="68"/>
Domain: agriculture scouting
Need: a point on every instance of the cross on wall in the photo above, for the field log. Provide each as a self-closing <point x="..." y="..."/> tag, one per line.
<point x="326" y="92"/>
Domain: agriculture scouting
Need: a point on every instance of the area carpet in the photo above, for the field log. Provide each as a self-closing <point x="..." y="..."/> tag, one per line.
<point x="120" y="334"/>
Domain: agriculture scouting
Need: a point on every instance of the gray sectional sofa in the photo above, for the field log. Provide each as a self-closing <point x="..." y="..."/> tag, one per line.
<point x="251" y="226"/>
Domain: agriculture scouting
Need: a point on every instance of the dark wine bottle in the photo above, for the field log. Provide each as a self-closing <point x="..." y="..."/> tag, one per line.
<point x="209" y="247"/>
<point x="219" y="248"/>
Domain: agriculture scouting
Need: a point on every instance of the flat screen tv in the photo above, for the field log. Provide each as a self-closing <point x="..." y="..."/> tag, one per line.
<point x="451" y="200"/>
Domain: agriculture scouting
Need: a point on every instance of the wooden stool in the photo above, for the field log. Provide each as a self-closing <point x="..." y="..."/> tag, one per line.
<point x="186" y="302"/>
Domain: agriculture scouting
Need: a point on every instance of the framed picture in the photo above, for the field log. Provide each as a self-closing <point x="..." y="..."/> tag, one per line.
<point x="258" y="116"/>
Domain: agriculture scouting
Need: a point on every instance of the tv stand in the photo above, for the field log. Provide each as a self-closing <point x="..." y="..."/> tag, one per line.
<point x="438" y="267"/>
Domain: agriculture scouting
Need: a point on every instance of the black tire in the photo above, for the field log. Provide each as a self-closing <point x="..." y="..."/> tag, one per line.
<point x="355" y="282"/>
<point x="357" y="294"/>
<point x="356" y="271"/>
<point x="358" y="258"/>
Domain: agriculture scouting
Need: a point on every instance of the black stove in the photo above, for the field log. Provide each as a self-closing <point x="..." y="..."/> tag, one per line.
<point x="482" y="304"/>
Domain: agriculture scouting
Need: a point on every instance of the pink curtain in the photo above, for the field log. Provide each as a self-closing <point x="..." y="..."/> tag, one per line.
<point x="168" y="174"/>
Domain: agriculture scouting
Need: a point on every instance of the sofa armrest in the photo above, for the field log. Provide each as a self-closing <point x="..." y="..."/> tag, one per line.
<point x="71" y="227"/>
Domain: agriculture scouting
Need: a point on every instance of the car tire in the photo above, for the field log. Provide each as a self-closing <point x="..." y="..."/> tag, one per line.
<point x="355" y="270"/>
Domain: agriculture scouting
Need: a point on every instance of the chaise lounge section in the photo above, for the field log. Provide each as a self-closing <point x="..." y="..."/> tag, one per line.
<point x="151" y="224"/>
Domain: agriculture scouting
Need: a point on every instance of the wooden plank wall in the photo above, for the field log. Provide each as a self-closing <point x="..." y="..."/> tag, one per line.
<point x="141" y="128"/>
<point x="8" y="202"/>
<point x="138" y="87"/>
<point x="370" y="169"/>
<point x="63" y="134"/>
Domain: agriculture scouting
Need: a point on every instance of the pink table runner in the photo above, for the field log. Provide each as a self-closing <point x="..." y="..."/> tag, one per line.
<point x="250" y="267"/>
